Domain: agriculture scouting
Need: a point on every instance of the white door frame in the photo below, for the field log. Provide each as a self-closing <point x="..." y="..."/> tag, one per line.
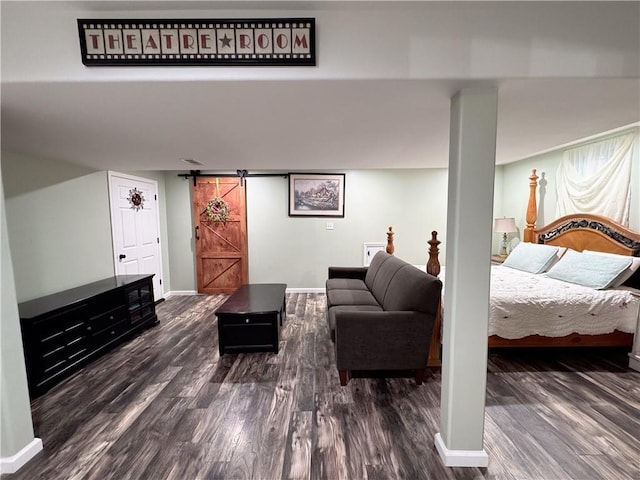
<point x="110" y="175"/>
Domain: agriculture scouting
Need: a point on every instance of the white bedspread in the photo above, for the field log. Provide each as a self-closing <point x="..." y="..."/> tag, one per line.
<point x="526" y="304"/>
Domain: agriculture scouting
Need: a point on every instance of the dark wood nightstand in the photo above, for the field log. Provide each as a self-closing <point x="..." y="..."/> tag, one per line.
<point x="497" y="259"/>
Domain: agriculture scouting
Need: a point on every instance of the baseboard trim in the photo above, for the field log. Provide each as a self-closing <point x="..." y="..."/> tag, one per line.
<point x="289" y="290"/>
<point x="15" y="462"/>
<point x="460" y="458"/>
<point x="180" y="293"/>
<point x="634" y="361"/>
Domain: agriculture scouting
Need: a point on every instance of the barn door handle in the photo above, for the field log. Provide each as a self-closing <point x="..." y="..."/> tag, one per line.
<point x="197" y="230"/>
<point x="121" y="256"/>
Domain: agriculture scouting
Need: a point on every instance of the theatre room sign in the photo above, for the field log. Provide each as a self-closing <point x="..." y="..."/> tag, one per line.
<point x="223" y="42"/>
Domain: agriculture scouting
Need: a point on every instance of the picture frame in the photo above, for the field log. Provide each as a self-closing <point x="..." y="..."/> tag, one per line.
<point x="316" y="194"/>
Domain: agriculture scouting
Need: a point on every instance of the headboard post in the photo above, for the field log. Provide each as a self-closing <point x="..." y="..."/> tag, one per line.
<point x="390" y="248"/>
<point x="433" y="265"/>
<point x="532" y="208"/>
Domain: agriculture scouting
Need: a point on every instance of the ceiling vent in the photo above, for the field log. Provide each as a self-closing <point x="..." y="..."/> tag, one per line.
<point x="191" y="161"/>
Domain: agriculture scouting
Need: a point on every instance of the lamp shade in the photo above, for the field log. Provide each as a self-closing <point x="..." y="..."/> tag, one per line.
<point x="505" y="225"/>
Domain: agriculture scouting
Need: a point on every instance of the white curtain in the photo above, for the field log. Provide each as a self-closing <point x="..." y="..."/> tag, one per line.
<point x="596" y="178"/>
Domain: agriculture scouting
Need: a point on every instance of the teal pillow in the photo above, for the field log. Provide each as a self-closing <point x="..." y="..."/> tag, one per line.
<point x="532" y="257"/>
<point x="593" y="271"/>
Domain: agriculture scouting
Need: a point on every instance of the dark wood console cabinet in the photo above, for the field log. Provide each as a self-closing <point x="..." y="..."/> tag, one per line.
<point x="66" y="330"/>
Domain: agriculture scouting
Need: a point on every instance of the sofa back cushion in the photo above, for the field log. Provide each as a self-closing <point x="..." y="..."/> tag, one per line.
<point x="414" y="290"/>
<point x="386" y="272"/>
<point x="374" y="267"/>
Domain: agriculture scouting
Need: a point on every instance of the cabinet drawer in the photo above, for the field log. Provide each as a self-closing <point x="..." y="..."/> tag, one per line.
<point x="250" y="319"/>
<point x="109" y="334"/>
<point x="105" y="320"/>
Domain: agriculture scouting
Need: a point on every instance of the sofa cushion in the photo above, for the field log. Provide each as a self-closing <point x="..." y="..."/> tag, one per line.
<point x="345" y="284"/>
<point x="350" y="297"/>
<point x="413" y="290"/>
<point x="374" y="267"/>
<point x="386" y="273"/>
<point x="331" y="317"/>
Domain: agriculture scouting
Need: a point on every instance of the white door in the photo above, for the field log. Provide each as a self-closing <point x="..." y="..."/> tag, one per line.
<point x="135" y="225"/>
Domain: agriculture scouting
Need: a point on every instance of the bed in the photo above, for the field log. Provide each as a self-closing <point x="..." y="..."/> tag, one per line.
<point x="531" y="310"/>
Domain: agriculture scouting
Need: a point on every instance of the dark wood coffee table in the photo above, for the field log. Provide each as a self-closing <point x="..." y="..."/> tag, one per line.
<point x="250" y="319"/>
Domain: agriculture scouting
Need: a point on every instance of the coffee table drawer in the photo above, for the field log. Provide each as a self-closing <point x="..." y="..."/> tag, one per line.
<point x="248" y="333"/>
<point x="248" y="319"/>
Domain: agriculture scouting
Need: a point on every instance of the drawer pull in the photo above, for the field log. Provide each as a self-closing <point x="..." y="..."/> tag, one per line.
<point x="246" y="320"/>
<point x="113" y="332"/>
<point x="111" y="317"/>
<point x="88" y="328"/>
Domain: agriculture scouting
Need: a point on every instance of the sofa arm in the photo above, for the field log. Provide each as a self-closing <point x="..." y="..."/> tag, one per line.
<point x="348" y="272"/>
<point x="396" y="340"/>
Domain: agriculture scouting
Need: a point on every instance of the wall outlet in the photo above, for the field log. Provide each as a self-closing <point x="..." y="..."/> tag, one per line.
<point x="329" y="225"/>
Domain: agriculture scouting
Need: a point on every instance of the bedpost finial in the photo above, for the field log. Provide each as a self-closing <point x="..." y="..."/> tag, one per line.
<point x="390" y="248"/>
<point x="532" y="209"/>
<point x="433" y="265"/>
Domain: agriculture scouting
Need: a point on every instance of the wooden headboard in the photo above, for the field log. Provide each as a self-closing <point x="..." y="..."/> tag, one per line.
<point x="589" y="232"/>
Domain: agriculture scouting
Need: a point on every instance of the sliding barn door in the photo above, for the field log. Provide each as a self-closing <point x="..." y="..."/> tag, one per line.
<point x="221" y="248"/>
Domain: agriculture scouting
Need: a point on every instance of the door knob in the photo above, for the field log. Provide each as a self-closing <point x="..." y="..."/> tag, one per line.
<point x="121" y="256"/>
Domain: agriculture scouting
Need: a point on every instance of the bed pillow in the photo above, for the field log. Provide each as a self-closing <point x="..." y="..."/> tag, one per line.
<point x="626" y="274"/>
<point x="595" y="271"/>
<point x="532" y="257"/>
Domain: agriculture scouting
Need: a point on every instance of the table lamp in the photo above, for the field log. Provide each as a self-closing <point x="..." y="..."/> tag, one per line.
<point x="504" y="225"/>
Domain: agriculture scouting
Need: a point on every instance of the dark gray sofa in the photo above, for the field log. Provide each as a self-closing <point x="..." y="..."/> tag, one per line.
<point x="381" y="317"/>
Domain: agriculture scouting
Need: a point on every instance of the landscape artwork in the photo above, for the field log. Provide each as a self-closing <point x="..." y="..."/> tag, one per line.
<point x="316" y="195"/>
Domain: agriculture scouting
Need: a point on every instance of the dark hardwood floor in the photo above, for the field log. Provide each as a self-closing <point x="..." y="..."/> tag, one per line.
<point x="166" y="406"/>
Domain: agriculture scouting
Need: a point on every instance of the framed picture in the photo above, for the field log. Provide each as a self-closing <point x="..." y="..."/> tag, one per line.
<point x="316" y="194"/>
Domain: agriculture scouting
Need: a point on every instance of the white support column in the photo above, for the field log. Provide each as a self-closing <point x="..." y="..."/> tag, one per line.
<point x="17" y="442"/>
<point x="466" y="310"/>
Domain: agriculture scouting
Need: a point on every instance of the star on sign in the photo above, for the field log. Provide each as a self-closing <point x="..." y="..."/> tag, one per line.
<point x="226" y="41"/>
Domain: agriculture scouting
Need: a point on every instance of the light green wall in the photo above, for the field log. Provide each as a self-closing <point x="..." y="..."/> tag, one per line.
<point x="180" y="233"/>
<point x="297" y="251"/>
<point x="60" y="226"/>
<point x="515" y="186"/>
<point x="497" y="206"/>
<point x="16" y="428"/>
<point x="412" y="201"/>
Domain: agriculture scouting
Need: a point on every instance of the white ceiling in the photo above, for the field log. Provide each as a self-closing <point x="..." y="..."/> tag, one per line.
<point x="311" y="124"/>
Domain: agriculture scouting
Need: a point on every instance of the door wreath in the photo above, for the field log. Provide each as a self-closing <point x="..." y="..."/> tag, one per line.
<point x="217" y="209"/>
<point x="136" y="199"/>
